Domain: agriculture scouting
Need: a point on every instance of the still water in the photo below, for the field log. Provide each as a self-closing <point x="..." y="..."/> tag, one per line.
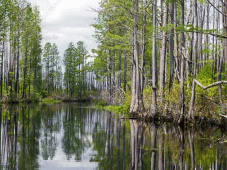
<point x="76" y="136"/>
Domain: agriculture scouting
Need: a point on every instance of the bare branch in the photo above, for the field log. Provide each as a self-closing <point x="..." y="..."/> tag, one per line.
<point x="209" y="86"/>
<point x="216" y="8"/>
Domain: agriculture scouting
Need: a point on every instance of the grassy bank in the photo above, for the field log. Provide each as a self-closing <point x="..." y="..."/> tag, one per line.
<point x="46" y="100"/>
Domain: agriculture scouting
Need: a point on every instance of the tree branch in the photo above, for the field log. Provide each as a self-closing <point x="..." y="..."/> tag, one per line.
<point x="216" y="8"/>
<point x="209" y="86"/>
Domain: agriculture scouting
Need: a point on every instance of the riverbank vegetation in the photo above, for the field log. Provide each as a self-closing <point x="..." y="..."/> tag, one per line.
<point x="169" y="56"/>
<point x="30" y="73"/>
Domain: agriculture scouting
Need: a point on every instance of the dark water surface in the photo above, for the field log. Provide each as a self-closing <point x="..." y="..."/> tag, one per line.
<point x="75" y="136"/>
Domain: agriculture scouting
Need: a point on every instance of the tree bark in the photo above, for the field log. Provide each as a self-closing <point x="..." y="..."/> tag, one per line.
<point x="137" y="101"/>
<point x="176" y="38"/>
<point x="153" y="107"/>
<point x="192" y="102"/>
<point x="163" y="54"/>
<point x="171" y="48"/>
<point x="183" y="55"/>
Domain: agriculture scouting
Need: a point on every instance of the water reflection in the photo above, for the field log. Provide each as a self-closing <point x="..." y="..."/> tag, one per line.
<point x="76" y="136"/>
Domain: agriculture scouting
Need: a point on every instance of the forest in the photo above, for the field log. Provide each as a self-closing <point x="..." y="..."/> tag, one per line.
<point x="30" y="72"/>
<point x="164" y="59"/>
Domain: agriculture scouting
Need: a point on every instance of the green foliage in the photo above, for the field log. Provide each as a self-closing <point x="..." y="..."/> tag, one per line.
<point x="205" y="77"/>
<point x="123" y="108"/>
<point x="101" y="103"/>
<point x="50" y="101"/>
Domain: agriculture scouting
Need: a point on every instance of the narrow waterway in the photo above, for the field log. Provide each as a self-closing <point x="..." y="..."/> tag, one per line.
<point x="76" y="136"/>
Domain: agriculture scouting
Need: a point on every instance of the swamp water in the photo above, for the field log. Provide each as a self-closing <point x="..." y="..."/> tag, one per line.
<point x="76" y="136"/>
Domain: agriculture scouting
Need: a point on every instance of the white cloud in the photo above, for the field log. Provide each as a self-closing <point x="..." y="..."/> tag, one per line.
<point x="65" y="21"/>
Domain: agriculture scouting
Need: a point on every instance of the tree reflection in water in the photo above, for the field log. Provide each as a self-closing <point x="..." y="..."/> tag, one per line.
<point x="77" y="133"/>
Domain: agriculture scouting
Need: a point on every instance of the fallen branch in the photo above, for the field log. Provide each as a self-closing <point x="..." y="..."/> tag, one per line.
<point x="223" y="116"/>
<point x="211" y="85"/>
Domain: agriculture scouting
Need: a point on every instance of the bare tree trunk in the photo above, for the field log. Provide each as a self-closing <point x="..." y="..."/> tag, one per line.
<point x="153" y="107"/>
<point x="137" y="101"/>
<point x="192" y="102"/>
<point x="224" y="52"/>
<point x="17" y="75"/>
<point x="219" y="85"/>
<point x="171" y="48"/>
<point x="25" y="69"/>
<point x="176" y="38"/>
<point x="143" y="48"/>
<point x="182" y="105"/>
<point x="163" y="54"/>
<point x="207" y="27"/>
<point x="120" y="74"/>
<point x="190" y="69"/>
<point x="125" y="71"/>
<point x="110" y="89"/>
<point x="2" y="56"/>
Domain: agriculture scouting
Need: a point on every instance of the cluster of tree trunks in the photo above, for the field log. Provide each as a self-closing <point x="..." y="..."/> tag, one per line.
<point x="166" y="47"/>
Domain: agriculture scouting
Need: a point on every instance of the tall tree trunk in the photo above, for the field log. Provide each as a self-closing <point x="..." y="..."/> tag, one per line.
<point x="143" y="49"/>
<point x="30" y="70"/>
<point x="120" y="74"/>
<point x="25" y="68"/>
<point x="18" y="57"/>
<point x="163" y="53"/>
<point x="207" y="27"/>
<point x="183" y="51"/>
<point x="224" y="52"/>
<point x="137" y="101"/>
<point x="171" y="48"/>
<point x="192" y="102"/>
<point x="190" y="62"/>
<point x="2" y="57"/>
<point x="110" y="78"/>
<point x="125" y="71"/>
<point x="176" y="39"/>
<point x="153" y="107"/>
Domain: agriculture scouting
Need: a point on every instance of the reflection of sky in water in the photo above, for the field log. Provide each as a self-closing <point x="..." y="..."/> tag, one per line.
<point x="64" y="164"/>
<point x="59" y="160"/>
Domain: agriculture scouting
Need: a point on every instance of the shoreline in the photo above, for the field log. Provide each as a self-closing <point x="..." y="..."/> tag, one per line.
<point x="198" y="122"/>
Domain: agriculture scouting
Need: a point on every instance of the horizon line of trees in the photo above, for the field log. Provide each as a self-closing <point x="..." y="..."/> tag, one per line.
<point x="26" y="70"/>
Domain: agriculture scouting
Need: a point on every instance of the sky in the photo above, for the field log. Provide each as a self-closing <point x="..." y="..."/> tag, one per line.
<point x="65" y="21"/>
